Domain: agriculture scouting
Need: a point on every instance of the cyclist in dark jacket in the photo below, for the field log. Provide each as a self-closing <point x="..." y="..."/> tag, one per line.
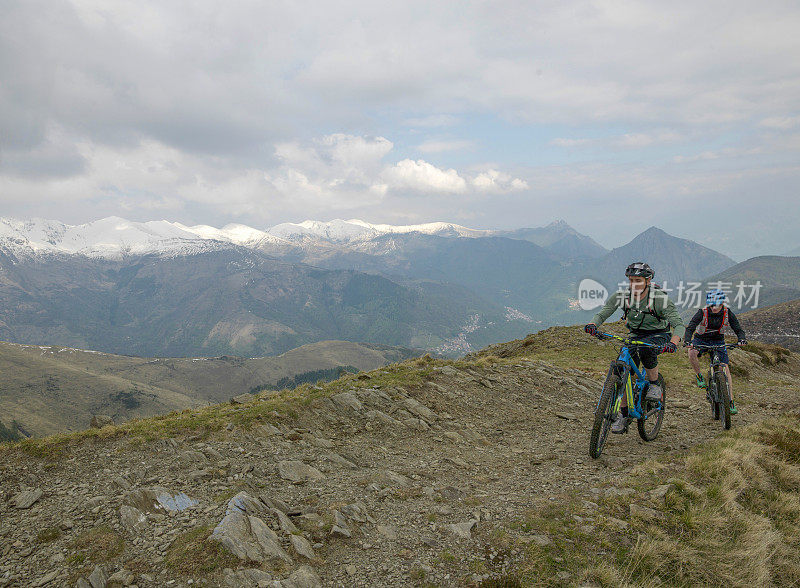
<point x="707" y="326"/>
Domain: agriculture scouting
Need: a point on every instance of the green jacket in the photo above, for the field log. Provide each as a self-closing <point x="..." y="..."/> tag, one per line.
<point x="638" y="319"/>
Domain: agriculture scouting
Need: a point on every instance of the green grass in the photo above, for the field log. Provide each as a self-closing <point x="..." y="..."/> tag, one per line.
<point x="191" y="553"/>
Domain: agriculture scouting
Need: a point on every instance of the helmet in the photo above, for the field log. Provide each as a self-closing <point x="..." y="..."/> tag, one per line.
<point x="715" y="297"/>
<point x="639" y="269"/>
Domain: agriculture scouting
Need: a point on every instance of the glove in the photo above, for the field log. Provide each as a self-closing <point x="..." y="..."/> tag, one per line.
<point x="669" y="348"/>
<point x="591" y="328"/>
<point x="741" y="342"/>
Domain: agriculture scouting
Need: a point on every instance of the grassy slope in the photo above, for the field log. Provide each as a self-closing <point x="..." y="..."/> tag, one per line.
<point x="729" y="516"/>
<point x="53" y="389"/>
<point x="778" y="324"/>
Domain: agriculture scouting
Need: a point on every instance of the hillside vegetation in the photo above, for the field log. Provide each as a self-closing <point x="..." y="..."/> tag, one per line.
<point x="423" y="473"/>
<point x="51" y="389"/>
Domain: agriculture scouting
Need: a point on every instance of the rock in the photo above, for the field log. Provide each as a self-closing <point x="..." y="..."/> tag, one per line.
<point x="645" y="513"/>
<point x="567" y="416"/>
<point x="266" y="430"/>
<point x="98" y="578"/>
<point x="340" y="528"/>
<point x="351" y="570"/>
<point x="416" y="424"/>
<point x="381" y="417"/>
<point x="99" y="421"/>
<point x="122" y="577"/>
<point x="453" y="436"/>
<point x="302" y="577"/>
<point x="298" y="472"/>
<point x="418" y="409"/>
<point x="357" y="512"/>
<point x="248" y="538"/>
<point x="287" y="526"/>
<point x="302" y="547"/>
<point x="246" y="504"/>
<point x="27" y="498"/>
<point x="449" y="371"/>
<point x="245" y="398"/>
<point x="541" y="540"/>
<point x="246" y="578"/>
<point x="347" y="400"/>
<point x="82" y="583"/>
<point x="391" y="478"/>
<point x="339" y="460"/>
<point x="614" y="491"/>
<point x="388" y="531"/>
<point x="132" y="519"/>
<point x="46" y="579"/>
<point x="158" y="500"/>
<point x="659" y="492"/>
<point x="462" y="530"/>
<point x="618" y="523"/>
<point x="451" y="493"/>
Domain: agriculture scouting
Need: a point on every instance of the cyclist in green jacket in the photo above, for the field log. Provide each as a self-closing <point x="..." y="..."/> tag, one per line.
<point x="649" y="315"/>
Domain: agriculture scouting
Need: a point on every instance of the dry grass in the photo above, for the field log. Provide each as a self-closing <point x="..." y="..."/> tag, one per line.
<point x="730" y="518"/>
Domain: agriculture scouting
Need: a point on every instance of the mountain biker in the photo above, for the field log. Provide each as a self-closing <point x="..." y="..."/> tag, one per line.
<point x="649" y="314"/>
<point x="707" y="326"/>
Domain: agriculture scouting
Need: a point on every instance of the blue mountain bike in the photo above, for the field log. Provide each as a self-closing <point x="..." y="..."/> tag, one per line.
<point x="625" y="377"/>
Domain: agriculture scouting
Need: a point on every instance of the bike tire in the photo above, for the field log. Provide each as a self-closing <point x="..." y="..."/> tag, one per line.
<point x="724" y="399"/>
<point x="712" y="390"/>
<point x="651" y="426"/>
<point x="604" y="414"/>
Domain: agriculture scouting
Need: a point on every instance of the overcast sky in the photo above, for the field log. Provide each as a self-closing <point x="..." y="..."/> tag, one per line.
<point x="612" y="115"/>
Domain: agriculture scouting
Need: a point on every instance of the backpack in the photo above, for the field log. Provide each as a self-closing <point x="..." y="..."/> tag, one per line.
<point x="651" y="309"/>
<point x="702" y="328"/>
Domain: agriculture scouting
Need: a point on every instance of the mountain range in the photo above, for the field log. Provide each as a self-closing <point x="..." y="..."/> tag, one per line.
<point x="166" y="289"/>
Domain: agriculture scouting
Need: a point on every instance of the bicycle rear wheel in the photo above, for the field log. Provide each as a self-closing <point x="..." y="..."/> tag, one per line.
<point x="650" y="424"/>
<point x="604" y="414"/>
<point x="724" y="399"/>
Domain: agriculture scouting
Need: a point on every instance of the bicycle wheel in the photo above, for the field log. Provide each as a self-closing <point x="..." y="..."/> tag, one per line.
<point x="714" y="395"/>
<point x="604" y="414"/>
<point x="650" y="425"/>
<point x="724" y="399"/>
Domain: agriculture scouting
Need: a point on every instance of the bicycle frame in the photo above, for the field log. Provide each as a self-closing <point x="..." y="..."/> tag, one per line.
<point x="627" y="365"/>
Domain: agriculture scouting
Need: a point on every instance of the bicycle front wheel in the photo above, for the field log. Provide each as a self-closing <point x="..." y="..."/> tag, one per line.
<point x="650" y="423"/>
<point x="713" y="393"/>
<point x="724" y="399"/>
<point x="604" y="414"/>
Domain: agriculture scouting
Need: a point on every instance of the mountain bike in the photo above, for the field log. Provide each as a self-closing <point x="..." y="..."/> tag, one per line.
<point x="717" y="392"/>
<point x="625" y="377"/>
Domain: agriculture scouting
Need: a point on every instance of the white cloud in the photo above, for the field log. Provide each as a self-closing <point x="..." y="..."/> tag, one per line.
<point x="494" y="181"/>
<point x="421" y="176"/>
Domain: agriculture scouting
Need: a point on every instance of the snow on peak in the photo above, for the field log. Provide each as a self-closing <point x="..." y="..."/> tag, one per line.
<point x="356" y="229"/>
<point x="114" y="236"/>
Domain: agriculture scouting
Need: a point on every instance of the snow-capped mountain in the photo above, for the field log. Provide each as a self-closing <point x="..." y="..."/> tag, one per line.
<point x="342" y="231"/>
<point x="113" y="236"/>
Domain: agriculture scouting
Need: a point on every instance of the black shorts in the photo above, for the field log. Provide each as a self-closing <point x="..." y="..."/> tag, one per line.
<point x="648" y="355"/>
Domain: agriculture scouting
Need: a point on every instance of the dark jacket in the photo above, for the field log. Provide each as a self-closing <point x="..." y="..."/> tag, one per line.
<point x="713" y="333"/>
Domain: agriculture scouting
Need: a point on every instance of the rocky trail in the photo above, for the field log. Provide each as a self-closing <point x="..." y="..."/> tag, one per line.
<point x="373" y="482"/>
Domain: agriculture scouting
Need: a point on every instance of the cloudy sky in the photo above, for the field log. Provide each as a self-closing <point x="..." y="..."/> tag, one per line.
<point x="613" y="115"/>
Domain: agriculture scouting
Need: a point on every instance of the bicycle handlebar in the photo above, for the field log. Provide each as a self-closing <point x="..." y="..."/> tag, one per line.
<point x="626" y="341"/>
<point x="703" y="346"/>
